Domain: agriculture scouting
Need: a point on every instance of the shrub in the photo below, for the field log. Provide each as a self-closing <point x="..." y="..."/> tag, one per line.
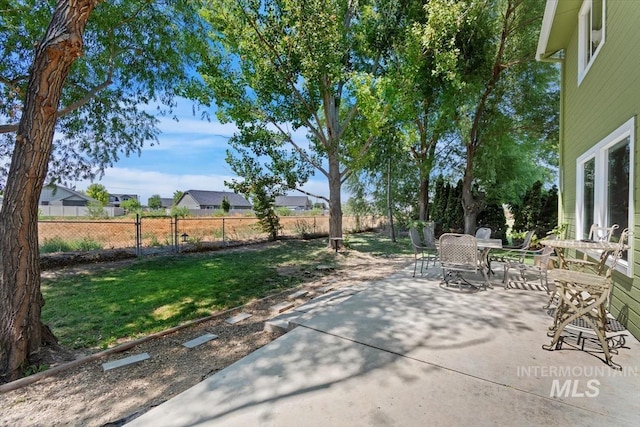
<point x="303" y="227"/>
<point x="58" y="244"/>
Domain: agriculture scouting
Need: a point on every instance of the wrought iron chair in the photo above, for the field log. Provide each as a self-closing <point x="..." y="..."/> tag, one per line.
<point x="418" y="250"/>
<point x="583" y="298"/>
<point x="529" y="263"/>
<point x="430" y="244"/>
<point x="459" y="254"/>
<point x="483" y="233"/>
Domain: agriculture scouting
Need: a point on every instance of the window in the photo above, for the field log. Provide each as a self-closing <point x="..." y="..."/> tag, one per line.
<point x="591" y="30"/>
<point x="604" y="194"/>
<point x="588" y="172"/>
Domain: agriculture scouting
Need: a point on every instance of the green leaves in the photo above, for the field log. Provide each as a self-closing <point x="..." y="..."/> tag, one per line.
<point x="136" y="53"/>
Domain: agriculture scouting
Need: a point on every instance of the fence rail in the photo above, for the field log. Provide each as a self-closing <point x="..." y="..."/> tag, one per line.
<point x="146" y="233"/>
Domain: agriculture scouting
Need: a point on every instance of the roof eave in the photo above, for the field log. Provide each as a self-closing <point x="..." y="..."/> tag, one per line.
<point x="545" y="31"/>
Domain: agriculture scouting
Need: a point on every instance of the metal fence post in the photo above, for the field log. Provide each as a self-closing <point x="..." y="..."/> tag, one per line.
<point x="176" y="242"/>
<point x="223" y="238"/>
<point x="138" y="235"/>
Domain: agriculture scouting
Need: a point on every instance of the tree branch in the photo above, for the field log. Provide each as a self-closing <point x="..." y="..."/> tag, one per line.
<point x="91" y="94"/>
<point x="312" y="195"/>
<point x="12" y="127"/>
<point x="298" y="149"/>
<point x="279" y="65"/>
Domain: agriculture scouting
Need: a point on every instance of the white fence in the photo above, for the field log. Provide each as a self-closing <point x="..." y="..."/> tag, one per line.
<point x="74" y="211"/>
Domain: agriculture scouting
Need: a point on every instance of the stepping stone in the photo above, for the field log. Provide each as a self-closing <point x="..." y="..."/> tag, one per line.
<point x="124" y="362"/>
<point x="298" y="294"/>
<point x="276" y="325"/>
<point x="283" y="306"/>
<point x="282" y="323"/>
<point x="200" y="340"/>
<point x="237" y="318"/>
<point x="326" y="288"/>
<point x="324" y="268"/>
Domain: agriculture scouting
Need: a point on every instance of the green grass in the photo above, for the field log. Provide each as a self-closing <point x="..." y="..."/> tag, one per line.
<point x="379" y="245"/>
<point x="98" y="309"/>
<point x="57" y="244"/>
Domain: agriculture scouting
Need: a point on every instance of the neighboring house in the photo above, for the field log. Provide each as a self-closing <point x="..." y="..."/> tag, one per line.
<point x="167" y="202"/>
<point x="595" y="42"/>
<point x="212" y="200"/>
<point x="295" y="203"/>
<point x="56" y="195"/>
<point x="56" y="200"/>
<point x="116" y="199"/>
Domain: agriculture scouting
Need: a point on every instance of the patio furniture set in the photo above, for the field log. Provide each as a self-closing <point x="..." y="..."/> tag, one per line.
<point x="578" y="287"/>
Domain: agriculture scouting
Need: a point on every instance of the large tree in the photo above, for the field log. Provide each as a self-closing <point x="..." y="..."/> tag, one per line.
<point x="423" y="111"/>
<point x="69" y="109"/>
<point x="307" y="66"/>
<point x="98" y="192"/>
<point x="504" y="101"/>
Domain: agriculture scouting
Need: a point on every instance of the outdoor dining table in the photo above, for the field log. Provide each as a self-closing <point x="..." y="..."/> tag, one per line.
<point x="583" y="297"/>
<point x="485" y="245"/>
<point x="560" y="246"/>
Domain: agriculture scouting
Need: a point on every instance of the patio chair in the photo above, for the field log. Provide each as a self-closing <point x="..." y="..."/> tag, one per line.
<point x="418" y="250"/>
<point x="526" y="242"/>
<point x="583" y="302"/>
<point x="459" y="254"/>
<point x="483" y="233"/>
<point x="596" y="234"/>
<point x="526" y="262"/>
<point x="430" y="242"/>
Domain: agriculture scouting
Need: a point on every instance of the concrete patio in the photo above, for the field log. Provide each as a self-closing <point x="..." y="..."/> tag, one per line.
<point x="405" y="351"/>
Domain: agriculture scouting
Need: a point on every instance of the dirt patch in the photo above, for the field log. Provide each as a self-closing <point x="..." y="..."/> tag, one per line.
<point x="86" y="395"/>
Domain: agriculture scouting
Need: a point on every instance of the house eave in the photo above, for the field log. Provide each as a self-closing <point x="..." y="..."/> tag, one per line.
<point x="558" y="23"/>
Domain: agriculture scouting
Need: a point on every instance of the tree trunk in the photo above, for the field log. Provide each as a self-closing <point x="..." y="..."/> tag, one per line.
<point x="335" y="202"/>
<point x="21" y="332"/>
<point x="469" y="204"/>
<point x="424" y="198"/>
<point x="390" y="203"/>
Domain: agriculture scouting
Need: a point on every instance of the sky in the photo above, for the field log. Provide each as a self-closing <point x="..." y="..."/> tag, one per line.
<point x="190" y="155"/>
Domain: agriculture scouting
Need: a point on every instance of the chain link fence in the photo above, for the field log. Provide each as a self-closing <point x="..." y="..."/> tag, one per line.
<point x="153" y="234"/>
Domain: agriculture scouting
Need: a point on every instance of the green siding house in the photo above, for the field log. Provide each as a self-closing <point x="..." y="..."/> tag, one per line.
<point x="595" y="44"/>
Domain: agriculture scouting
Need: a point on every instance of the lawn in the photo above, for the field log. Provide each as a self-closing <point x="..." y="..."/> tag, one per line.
<point x="98" y="309"/>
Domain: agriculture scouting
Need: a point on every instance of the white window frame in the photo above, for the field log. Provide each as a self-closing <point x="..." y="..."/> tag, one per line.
<point x="585" y="58"/>
<point x="600" y="152"/>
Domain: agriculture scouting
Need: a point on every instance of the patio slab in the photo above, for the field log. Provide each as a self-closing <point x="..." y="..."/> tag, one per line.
<point x="405" y="351"/>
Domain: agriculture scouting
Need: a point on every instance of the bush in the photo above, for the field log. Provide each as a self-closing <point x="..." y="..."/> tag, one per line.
<point x="303" y="227"/>
<point x="95" y="210"/>
<point x="57" y="244"/>
<point x="493" y="217"/>
<point x="538" y="210"/>
<point x="180" y="211"/>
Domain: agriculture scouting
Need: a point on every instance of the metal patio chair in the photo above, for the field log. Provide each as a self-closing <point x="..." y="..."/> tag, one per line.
<point x="483" y="233"/>
<point x="583" y="303"/>
<point x="430" y="243"/>
<point x="459" y="254"/>
<point x="526" y="263"/>
<point x="418" y="250"/>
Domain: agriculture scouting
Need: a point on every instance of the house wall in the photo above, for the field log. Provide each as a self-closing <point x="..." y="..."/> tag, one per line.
<point x="607" y="97"/>
<point x="189" y="202"/>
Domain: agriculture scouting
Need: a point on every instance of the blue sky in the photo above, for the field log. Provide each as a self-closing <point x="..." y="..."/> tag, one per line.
<point x="190" y="155"/>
